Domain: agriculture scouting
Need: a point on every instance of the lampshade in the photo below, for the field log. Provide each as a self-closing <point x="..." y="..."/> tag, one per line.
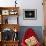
<point x="15" y="30"/>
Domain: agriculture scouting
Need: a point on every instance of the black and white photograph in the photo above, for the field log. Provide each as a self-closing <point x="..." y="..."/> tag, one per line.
<point x="30" y="14"/>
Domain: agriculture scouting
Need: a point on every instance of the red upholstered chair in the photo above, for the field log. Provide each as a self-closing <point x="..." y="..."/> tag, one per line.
<point x="29" y="33"/>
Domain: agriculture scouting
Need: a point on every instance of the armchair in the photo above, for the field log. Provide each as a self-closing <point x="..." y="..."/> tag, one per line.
<point x="30" y="38"/>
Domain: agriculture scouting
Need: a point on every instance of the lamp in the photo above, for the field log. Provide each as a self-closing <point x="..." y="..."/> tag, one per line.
<point x="15" y="30"/>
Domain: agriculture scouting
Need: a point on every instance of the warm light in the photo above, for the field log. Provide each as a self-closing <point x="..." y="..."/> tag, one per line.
<point x="15" y="30"/>
<point x="12" y="10"/>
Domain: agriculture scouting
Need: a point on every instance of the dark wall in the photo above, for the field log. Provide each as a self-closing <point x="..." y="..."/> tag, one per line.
<point x="37" y="29"/>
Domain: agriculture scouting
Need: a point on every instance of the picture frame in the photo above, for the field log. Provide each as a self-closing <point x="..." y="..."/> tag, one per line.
<point x="5" y="12"/>
<point x="13" y="12"/>
<point x="30" y="14"/>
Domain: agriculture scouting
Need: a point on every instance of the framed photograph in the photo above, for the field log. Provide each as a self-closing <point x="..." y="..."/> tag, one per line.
<point x="30" y="14"/>
<point x="12" y="12"/>
<point x="5" y="12"/>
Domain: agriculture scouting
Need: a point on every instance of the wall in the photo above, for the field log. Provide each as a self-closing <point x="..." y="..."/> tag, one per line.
<point x="32" y="4"/>
<point x="6" y="3"/>
<point x="27" y="4"/>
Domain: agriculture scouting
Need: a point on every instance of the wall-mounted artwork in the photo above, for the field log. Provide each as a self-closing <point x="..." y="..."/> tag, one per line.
<point x="30" y="14"/>
<point x="5" y="12"/>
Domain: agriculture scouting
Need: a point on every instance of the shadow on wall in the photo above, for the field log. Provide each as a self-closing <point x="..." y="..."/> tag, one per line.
<point x="37" y="29"/>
